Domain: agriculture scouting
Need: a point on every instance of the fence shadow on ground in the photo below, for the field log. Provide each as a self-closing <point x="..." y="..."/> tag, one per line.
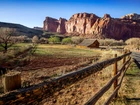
<point x="137" y="63"/>
<point x="131" y="100"/>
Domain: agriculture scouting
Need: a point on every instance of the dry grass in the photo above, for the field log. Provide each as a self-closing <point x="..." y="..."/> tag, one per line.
<point x="80" y="92"/>
<point x="129" y="94"/>
<point x="62" y="58"/>
<point x="66" y="51"/>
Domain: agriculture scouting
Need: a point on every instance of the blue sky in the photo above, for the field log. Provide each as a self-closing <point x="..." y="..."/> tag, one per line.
<point x="33" y="12"/>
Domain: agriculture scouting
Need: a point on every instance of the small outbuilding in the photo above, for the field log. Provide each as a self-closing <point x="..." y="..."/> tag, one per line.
<point x="89" y="43"/>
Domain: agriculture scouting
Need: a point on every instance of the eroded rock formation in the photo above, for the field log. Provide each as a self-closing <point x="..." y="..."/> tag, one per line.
<point x="81" y="23"/>
<point x="132" y="16"/>
<point x="90" y="25"/>
<point x="54" y="25"/>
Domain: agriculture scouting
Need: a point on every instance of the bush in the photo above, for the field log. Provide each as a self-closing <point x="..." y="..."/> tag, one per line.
<point x="77" y="40"/>
<point x="35" y="39"/>
<point x="66" y="41"/>
<point x="111" y="42"/>
<point x="133" y="42"/>
<point x="43" y="40"/>
<point x="54" y="39"/>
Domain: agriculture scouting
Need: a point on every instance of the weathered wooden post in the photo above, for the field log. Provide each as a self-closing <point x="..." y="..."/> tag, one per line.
<point x="11" y="81"/>
<point x="124" y="59"/>
<point x="128" y="55"/>
<point x="115" y="72"/>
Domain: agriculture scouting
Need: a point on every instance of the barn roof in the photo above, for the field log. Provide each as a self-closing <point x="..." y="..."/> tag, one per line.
<point x="87" y="42"/>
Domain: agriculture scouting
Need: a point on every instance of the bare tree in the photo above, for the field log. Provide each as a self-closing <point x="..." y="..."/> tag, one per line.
<point x="6" y="39"/>
<point x="35" y="39"/>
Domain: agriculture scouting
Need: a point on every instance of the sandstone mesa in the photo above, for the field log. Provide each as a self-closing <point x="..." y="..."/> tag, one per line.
<point x="91" y="26"/>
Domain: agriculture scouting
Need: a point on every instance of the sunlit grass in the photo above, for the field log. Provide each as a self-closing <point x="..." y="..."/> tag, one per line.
<point x="129" y="93"/>
<point x="65" y="50"/>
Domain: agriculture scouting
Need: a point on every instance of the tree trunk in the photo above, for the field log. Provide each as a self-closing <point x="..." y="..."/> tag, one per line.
<point x="11" y="81"/>
<point x="5" y="48"/>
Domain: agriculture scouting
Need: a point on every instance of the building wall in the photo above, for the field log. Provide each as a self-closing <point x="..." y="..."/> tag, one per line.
<point x="94" y="45"/>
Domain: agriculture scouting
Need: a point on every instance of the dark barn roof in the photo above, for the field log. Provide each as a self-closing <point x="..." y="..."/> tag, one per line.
<point x="87" y="42"/>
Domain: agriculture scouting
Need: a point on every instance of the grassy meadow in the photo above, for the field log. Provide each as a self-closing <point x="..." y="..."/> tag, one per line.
<point x="51" y="60"/>
<point x="65" y="50"/>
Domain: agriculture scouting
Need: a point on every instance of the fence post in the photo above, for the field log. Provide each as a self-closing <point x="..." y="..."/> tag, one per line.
<point x="11" y="81"/>
<point x="128" y="55"/>
<point x="124" y="59"/>
<point x="115" y="72"/>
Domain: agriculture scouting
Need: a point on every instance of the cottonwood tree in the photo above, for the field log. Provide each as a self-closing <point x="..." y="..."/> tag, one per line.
<point x="54" y="39"/>
<point x="6" y="40"/>
<point x="35" y="40"/>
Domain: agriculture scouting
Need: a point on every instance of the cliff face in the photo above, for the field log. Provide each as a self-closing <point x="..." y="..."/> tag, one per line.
<point x="132" y="16"/>
<point x="81" y="23"/>
<point x="90" y="25"/>
<point x="108" y="27"/>
<point x="54" y="25"/>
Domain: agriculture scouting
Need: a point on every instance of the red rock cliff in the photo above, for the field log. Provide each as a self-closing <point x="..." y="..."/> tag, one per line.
<point x="108" y="27"/>
<point x="90" y="25"/>
<point x="81" y="23"/>
<point x="54" y="25"/>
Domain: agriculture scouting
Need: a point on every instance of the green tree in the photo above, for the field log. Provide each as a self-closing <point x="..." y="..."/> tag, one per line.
<point x="66" y="41"/>
<point x="54" y="39"/>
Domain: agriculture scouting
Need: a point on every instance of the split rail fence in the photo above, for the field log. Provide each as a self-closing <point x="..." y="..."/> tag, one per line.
<point x="35" y="94"/>
<point x="114" y="81"/>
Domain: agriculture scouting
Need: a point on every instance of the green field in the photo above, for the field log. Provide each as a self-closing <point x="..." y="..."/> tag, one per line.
<point x="65" y="50"/>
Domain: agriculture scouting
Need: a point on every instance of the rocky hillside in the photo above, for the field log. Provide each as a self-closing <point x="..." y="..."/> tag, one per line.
<point x="92" y="26"/>
<point x="22" y="30"/>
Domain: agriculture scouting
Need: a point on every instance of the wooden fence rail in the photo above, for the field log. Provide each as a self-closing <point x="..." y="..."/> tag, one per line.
<point x="101" y="92"/>
<point x="117" y="88"/>
<point x="36" y="93"/>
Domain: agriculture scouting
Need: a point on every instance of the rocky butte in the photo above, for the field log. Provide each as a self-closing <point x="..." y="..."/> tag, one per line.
<point x="91" y="26"/>
<point x="54" y="25"/>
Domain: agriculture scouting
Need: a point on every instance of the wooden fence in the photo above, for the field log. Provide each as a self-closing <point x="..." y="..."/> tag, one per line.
<point x="114" y="81"/>
<point x="35" y="94"/>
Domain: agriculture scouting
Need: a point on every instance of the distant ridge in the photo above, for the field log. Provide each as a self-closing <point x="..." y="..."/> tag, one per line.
<point x="22" y="30"/>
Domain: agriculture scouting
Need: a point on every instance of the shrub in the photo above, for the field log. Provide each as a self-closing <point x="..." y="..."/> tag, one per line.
<point x="111" y="42"/>
<point x="66" y="41"/>
<point x="133" y="42"/>
<point x="35" y="39"/>
<point x="54" y="39"/>
<point x="43" y="40"/>
<point x="77" y="40"/>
